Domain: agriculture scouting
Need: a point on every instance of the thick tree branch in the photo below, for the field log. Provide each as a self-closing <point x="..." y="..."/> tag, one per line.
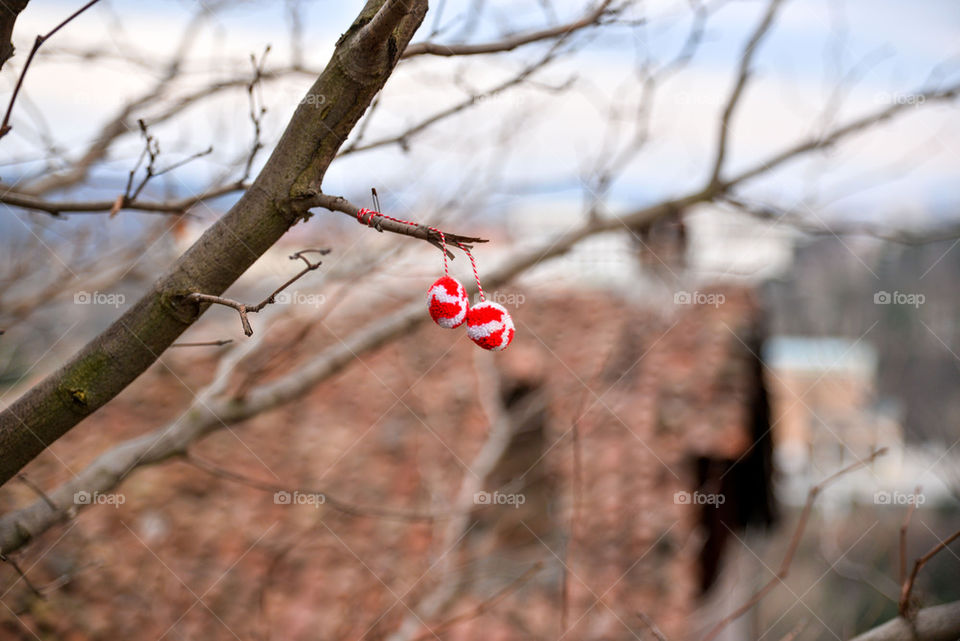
<point x="904" y="605"/>
<point x="937" y="623"/>
<point x="293" y="173"/>
<point x="209" y="412"/>
<point x="8" y="17"/>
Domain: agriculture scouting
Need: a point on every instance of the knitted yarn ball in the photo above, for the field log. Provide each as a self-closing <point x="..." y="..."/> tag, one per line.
<point x="447" y="301"/>
<point x="489" y="325"/>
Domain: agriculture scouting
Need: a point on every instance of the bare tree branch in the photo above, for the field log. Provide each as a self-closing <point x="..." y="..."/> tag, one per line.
<point x="484" y="606"/>
<point x="292" y="175"/>
<point x="801" y="221"/>
<point x="119" y="125"/>
<point x="781" y="574"/>
<point x="381" y="224"/>
<point x="743" y="75"/>
<point x="217" y="343"/>
<point x="5" y="125"/>
<point x="842" y="132"/>
<point x="244" y="309"/>
<point x="937" y="623"/>
<point x="591" y="18"/>
<point x="17" y="199"/>
<point x="403" y="139"/>
<point x="904" y="605"/>
<point x="903" y="538"/>
<point x="328" y="500"/>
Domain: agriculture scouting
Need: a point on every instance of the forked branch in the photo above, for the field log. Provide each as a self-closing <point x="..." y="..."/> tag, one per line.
<point x="781" y="574"/>
<point x="5" y="126"/>
<point x="244" y="309"/>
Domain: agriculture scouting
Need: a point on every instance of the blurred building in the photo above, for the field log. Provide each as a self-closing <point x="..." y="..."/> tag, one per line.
<point x="827" y="415"/>
<point x="636" y="437"/>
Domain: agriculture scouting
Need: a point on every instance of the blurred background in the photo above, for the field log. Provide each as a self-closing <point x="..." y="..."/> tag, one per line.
<point x="636" y="463"/>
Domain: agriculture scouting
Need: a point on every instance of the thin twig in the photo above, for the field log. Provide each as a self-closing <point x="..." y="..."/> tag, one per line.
<point x="6" y="559"/>
<point x="796" y="630"/>
<point x="483" y="606"/>
<point x="381" y="224"/>
<point x="244" y="309"/>
<point x="151" y="151"/>
<point x="223" y="341"/>
<point x="801" y="221"/>
<point x="255" y="92"/>
<point x="5" y="127"/>
<point x="13" y="198"/>
<point x="591" y="18"/>
<point x="647" y="621"/>
<point x="39" y="491"/>
<point x="904" y="607"/>
<point x="403" y="139"/>
<point x="903" y="537"/>
<point x="743" y="76"/>
<point x="781" y="574"/>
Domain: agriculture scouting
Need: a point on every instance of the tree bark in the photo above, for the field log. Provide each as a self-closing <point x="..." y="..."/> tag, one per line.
<point x="8" y="17"/>
<point x="362" y="61"/>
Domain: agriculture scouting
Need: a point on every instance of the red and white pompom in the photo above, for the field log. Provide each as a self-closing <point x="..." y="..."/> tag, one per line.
<point x="447" y="301"/>
<point x="489" y="325"/>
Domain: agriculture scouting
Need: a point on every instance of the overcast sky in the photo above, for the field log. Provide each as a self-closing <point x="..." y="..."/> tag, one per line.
<point x="555" y="140"/>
